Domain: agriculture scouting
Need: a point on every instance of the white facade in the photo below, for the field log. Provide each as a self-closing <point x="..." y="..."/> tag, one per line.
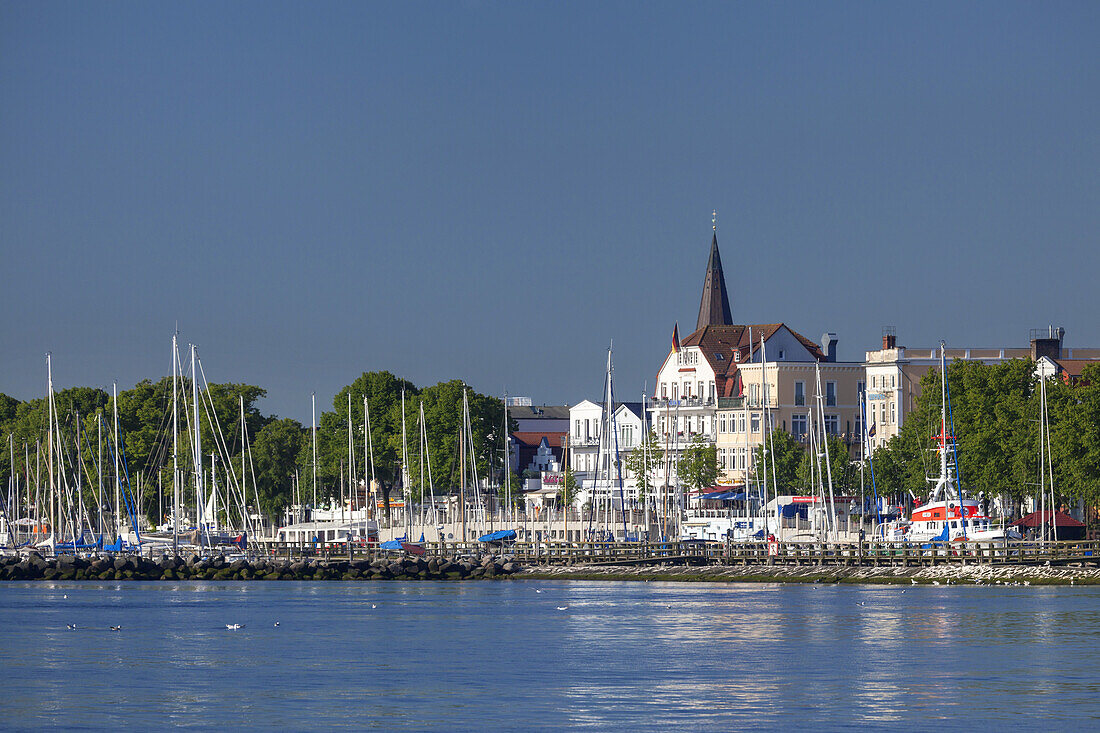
<point x="593" y="452"/>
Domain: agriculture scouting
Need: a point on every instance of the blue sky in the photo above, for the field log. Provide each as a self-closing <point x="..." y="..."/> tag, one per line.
<point x="494" y="191"/>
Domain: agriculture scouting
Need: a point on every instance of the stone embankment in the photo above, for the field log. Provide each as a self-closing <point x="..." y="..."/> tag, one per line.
<point x="1078" y="574"/>
<point x="193" y="567"/>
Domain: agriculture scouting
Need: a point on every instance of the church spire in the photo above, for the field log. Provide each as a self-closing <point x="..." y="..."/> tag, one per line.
<point x="714" y="308"/>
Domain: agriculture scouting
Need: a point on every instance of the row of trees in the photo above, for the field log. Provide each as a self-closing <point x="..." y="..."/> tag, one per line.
<point x="995" y="412"/>
<point x="280" y="448"/>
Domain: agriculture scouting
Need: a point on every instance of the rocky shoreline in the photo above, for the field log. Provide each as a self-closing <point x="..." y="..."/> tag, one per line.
<point x="193" y="567"/>
<point x="935" y="575"/>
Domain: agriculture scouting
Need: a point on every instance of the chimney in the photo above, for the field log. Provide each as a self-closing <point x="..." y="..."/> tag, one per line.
<point x="828" y="346"/>
<point x="1047" y="342"/>
<point x="889" y="338"/>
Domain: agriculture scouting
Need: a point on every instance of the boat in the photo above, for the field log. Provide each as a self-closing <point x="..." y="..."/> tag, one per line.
<point x="950" y="515"/>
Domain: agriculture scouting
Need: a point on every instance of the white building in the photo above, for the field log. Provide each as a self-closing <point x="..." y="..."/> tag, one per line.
<point x="597" y="455"/>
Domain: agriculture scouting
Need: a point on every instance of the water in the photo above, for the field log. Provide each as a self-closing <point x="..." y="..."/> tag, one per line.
<point x="498" y="655"/>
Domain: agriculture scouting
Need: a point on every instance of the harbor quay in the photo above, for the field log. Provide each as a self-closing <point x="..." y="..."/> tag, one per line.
<point x="1023" y="562"/>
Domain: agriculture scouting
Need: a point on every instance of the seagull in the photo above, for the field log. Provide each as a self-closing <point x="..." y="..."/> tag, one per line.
<point x="373" y="606"/>
<point x="116" y="628"/>
<point x="562" y="608"/>
<point x="537" y="590"/>
<point x="903" y="590"/>
<point x="668" y="606"/>
<point x="67" y="596"/>
<point x="913" y="581"/>
<point x="276" y="624"/>
<point x="862" y="603"/>
<point x="234" y="627"/>
<point x="935" y="582"/>
<point x="71" y="626"/>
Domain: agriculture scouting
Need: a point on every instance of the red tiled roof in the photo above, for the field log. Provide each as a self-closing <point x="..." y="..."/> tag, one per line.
<point x="533" y="439"/>
<point x="1037" y="519"/>
<point x="1074" y="367"/>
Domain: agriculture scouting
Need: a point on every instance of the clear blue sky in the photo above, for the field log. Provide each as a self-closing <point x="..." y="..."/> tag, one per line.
<point x="493" y="191"/>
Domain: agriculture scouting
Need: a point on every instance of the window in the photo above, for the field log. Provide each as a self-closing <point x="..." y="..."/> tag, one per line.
<point x="627" y="434"/>
<point x="782" y="354"/>
<point x="799" y="393"/>
<point x="891" y="381"/>
<point x="832" y="425"/>
<point x="722" y="423"/>
<point x="860" y="387"/>
<point x="712" y="391"/>
<point x="830" y="394"/>
<point x="754" y="393"/>
<point x="578" y="428"/>
<point x="664" y="390"/>
<point x="741" y="423"/>
<point x="892" y="413"/>
<point x="675" y="390"/>
<point x="798" y="426"/>
<point x="755" y="423"/>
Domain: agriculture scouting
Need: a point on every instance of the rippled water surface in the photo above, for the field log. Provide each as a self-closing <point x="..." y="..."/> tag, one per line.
<point x="499" y="655"/>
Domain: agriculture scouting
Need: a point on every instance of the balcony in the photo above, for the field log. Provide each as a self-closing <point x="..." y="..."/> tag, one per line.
<point x="682" y="403"/>
<point x="740" y="403"/>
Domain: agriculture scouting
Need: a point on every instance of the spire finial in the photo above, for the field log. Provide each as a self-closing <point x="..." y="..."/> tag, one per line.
<point x="714" y="219"/>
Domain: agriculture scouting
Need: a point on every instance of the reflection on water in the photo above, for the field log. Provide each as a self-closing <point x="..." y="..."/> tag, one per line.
<point x="447" y="656"/>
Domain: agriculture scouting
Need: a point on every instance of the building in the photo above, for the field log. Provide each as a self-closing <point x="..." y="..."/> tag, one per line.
<point x="893" y="373"/>
<point x="593" y="449"/>
<point x="706" y="371"/>
<point x="783" y="394"/>
<point x="534" y="423"/>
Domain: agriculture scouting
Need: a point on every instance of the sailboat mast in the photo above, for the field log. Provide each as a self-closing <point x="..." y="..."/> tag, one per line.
<point x="197" y="446"/>
<point x="351" y="461"/>
<point x="313" y="428"/>
<point x="507" y="463"/>
<point x="368" y="459"/>
<point x="99" y="465"/>
<point x="406" y="492"/>
<point x="1050" y="465"/>
<point x="462" y="463"/>
<point x="49" y="438"/>
<point x="114" y="453"/>
<point x="175" y="449"/>
<point x="825" y="444"/>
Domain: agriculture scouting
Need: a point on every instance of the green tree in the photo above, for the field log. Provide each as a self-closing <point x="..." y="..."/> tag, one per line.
<point x="839" y="464"/>
<point x="643" y="462"/>
<point x="787" y="455"/>
<point x="275" y="451"/>
<point x="568" y="492"/>
<point x="698" y="466"/>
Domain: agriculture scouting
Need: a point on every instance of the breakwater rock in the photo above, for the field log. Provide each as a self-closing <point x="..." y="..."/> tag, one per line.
<point x="1073" y="574"/>
<point x="193" y="567"/>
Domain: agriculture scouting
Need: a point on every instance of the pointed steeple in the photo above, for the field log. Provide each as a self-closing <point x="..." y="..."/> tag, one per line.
<point x="714" y="308"/>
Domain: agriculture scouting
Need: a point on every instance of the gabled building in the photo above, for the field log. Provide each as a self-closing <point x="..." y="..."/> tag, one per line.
<point x="706" y="366"/>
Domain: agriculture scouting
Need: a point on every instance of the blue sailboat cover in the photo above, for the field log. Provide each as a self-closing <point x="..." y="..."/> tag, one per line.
<point x="498" y="536"/>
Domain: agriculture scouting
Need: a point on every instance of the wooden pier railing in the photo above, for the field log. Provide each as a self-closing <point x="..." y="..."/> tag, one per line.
<point x="864" y="554"/>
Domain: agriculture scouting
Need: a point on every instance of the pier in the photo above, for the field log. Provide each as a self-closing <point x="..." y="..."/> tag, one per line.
<point x="832" y="554"/>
